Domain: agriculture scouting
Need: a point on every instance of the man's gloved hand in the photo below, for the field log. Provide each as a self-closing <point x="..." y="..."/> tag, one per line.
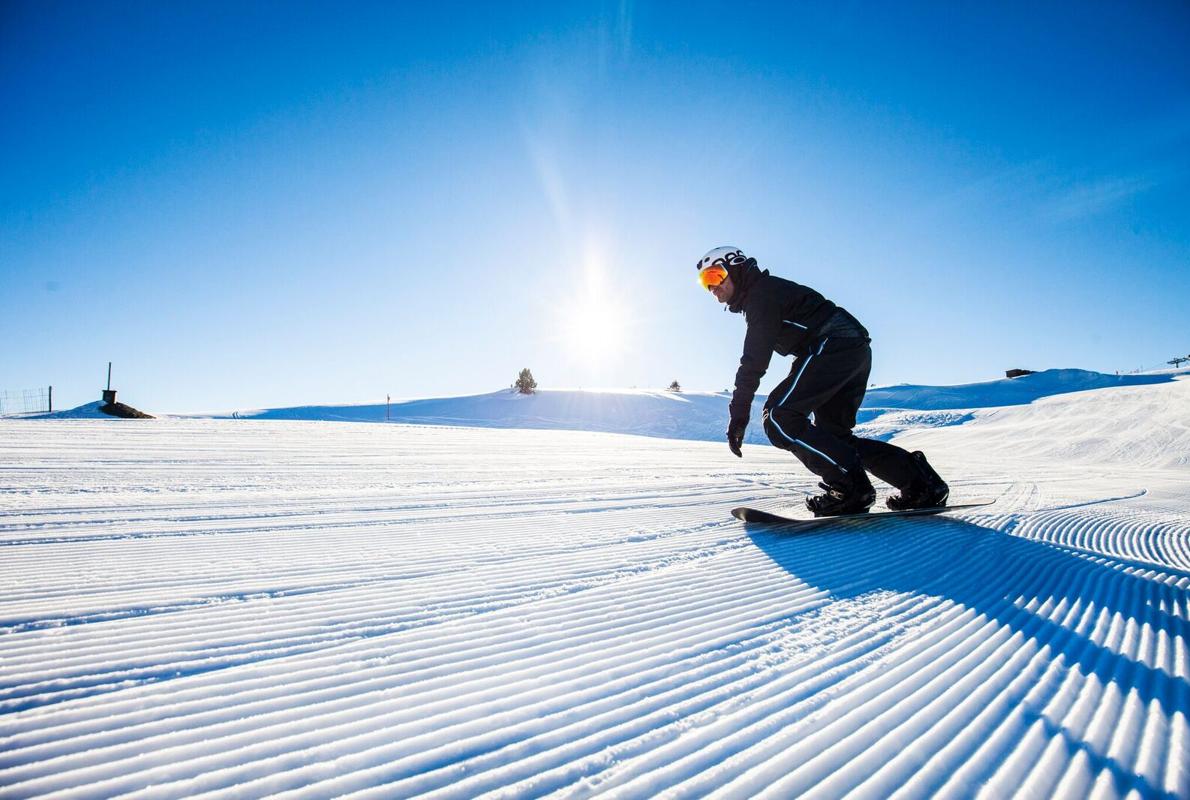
<point x="735" y="434"/>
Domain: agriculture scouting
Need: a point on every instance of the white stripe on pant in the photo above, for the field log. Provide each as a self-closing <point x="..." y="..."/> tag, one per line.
<point x="793" y="386"/>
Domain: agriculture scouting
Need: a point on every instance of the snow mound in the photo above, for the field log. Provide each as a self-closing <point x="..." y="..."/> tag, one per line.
<point x="93" y="411"/>
<point x="1142" y="426"/>
<point x="87" y="411"/>
<point x="1004" y="392"/>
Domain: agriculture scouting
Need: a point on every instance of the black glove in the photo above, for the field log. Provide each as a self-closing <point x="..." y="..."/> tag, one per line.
<point x="735" y="434"/>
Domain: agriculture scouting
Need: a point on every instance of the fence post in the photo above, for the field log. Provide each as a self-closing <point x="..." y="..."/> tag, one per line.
<point x="50" y="401"/>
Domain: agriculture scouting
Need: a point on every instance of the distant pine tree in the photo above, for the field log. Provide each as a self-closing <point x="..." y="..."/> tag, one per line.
<point x="524" y="382"/>
<point x="675" y="387"/>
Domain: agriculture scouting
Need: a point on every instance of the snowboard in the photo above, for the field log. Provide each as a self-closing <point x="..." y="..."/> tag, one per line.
<point x="801" y="523"/>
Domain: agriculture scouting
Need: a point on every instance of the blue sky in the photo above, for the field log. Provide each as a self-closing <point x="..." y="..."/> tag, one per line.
<point x="253" y="204"/>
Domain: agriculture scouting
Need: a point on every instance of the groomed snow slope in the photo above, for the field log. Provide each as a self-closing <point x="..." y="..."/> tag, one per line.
<point x="207" y="608"/>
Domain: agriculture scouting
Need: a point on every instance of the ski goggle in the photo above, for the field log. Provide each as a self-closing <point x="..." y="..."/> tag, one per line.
<point x="712" y="276"/>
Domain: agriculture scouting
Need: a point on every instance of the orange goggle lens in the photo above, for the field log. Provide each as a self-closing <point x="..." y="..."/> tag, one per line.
<point x="712" y="276"/>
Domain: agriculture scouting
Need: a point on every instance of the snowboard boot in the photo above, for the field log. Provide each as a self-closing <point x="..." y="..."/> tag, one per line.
<point x="854" y="497"/>
<point x="928" y="490"/>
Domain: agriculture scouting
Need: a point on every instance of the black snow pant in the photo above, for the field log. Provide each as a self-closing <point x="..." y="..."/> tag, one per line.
<point x="829" y="383"/>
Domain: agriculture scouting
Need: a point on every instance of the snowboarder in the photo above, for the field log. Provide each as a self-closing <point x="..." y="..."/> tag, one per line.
<point x="827" y="380"/>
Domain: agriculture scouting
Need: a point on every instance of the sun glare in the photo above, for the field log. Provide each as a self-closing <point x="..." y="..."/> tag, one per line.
<point x="594" y="330"/>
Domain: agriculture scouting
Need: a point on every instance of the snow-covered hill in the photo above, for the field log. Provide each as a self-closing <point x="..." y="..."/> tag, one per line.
<point x="689" y="415"/>
<point x="242" y="608"/>
<point x="699" y="415"/>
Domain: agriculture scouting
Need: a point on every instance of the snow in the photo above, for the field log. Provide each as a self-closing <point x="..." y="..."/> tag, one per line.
<point x="87" y="411"/>
<point x="700" y="415"/>
<point x="198" y="607"/>
<point x="1006" y="391"/>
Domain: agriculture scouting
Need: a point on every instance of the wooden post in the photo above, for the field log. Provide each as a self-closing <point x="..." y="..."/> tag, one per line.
<point x="51" y="401"/>
<point x="109" y="394"/>
<point x="388" y="399"/>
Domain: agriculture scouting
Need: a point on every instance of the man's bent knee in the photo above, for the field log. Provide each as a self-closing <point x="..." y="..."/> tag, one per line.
<point x="784" y="426"/>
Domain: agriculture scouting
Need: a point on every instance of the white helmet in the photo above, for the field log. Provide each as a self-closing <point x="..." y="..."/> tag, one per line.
<point x="725" y="256"/>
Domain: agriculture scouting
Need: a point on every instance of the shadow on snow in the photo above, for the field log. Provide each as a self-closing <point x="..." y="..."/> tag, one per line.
<point x="1000" y="577"/>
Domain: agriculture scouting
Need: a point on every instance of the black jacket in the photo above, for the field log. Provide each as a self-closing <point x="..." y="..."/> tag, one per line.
<point x="782" y="316"/>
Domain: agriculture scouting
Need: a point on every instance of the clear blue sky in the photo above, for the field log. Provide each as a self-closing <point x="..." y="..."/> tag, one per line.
<point x="254" y="204"/>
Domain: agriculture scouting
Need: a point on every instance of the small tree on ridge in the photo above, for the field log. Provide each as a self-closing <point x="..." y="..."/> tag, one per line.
<point x="524" y="382"/>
